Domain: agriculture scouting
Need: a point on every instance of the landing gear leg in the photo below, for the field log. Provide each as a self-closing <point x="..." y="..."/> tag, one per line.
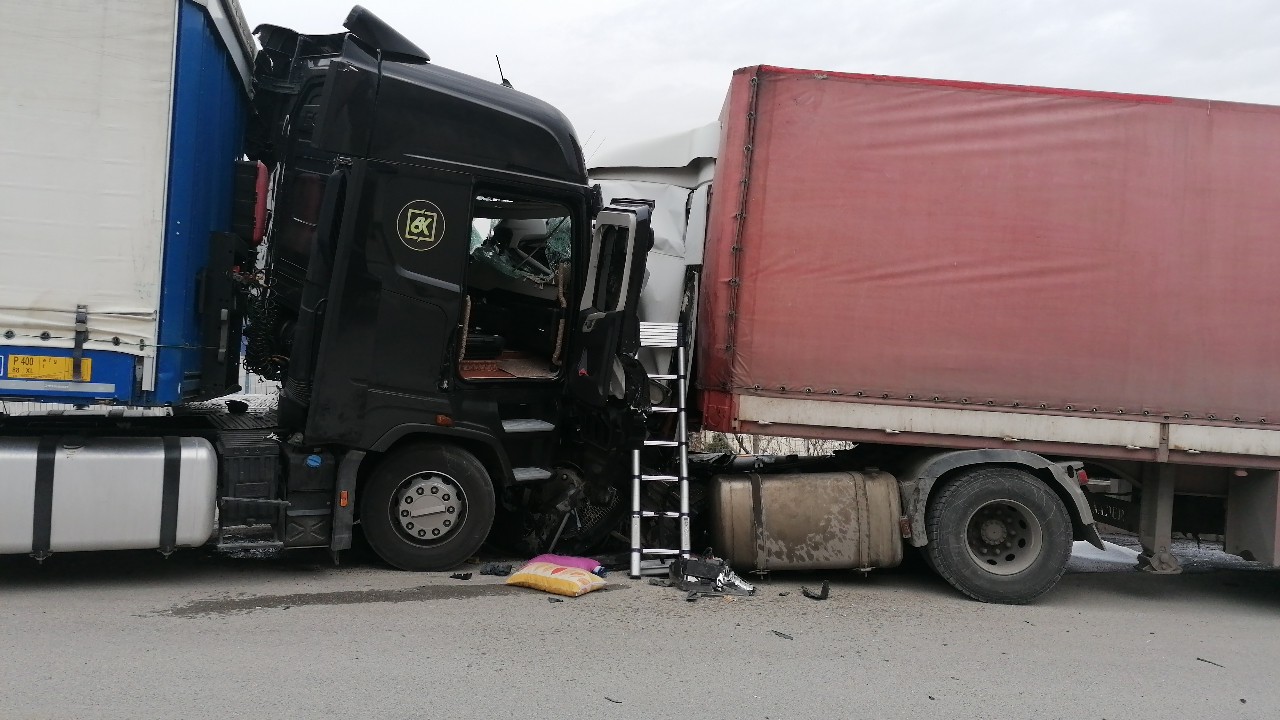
<point x="1155" y="521"/>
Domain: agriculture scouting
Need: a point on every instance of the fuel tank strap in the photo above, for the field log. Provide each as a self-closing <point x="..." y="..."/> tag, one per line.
<point x="42" y="520"/>
<point x="169" y="495"/>
<point x="757" y="508"/>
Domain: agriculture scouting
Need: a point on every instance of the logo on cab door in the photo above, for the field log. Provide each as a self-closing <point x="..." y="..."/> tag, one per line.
<point x="420" y="225"/>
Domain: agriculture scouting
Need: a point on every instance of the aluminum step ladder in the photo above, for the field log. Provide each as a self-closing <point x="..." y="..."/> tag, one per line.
<point x="663" y="335"/>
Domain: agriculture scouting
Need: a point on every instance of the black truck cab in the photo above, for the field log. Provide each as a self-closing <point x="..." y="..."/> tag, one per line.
<point x="443" y="308"/>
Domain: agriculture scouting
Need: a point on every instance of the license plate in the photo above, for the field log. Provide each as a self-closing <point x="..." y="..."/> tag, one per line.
<point x="42" y="367"/>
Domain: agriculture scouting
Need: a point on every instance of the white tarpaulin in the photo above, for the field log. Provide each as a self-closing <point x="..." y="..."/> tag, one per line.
<point x="84" y="139"/>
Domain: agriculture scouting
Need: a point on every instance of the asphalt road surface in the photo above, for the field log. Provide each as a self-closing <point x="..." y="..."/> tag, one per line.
<point x="202" y="635"/>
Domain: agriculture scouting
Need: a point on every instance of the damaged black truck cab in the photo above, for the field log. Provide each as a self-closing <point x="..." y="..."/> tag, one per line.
<point x="442" y="310"/>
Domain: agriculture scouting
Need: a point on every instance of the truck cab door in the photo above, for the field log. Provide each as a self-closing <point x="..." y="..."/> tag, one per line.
<point x="608" y="321"/>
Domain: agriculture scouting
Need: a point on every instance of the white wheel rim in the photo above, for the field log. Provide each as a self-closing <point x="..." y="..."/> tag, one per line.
<point x="428" y="507"/>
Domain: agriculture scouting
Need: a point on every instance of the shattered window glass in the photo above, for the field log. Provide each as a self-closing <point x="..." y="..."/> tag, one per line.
<point x="522" y="240"/>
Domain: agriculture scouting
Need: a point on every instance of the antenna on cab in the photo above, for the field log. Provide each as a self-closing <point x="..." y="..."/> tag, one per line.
<point x="505" y="81"/>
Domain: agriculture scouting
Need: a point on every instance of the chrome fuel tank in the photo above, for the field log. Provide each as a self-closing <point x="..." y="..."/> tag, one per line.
<point x="67" y="494"/>
<point x="811" y="521"/>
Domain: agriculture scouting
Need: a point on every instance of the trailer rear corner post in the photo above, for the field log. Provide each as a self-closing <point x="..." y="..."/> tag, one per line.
<point x="1155" y="520"/>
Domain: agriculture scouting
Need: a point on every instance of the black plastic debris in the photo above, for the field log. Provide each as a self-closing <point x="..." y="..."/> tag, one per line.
<point x="498" y="569"/>
<point x="822" y="594"/>
<point x="782" y="635"/>
<point x="555" y="600"/>
<point x="784" y="594"/>
<point x="706" y="576"/>
<point x="460" y="576"/>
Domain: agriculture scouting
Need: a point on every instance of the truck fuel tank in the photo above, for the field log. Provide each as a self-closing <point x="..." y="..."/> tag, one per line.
<point x="807" y="521"/>
<point x="71" y="494"/>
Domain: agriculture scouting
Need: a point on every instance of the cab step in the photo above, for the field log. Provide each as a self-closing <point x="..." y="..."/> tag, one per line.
<point x="530" y="474"/>
<point x="248" y="505"/>
<point x="526" y="425"/>
<point x="251" y="545"/>
<point x="233" y="511"/>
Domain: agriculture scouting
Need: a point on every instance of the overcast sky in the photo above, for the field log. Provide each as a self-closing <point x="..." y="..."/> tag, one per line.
<point x="628" y="70"/>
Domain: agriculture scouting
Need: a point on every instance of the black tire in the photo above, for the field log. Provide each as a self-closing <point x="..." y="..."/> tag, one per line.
<point x="927" y="557"/>
<point x="448" y="467"/>
<point x="983" y="558"/>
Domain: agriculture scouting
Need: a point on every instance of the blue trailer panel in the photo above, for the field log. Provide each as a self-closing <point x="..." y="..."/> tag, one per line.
<point x="209" y="111"/>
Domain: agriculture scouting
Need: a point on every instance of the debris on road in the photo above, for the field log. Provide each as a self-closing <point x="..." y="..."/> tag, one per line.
<point x="782" y="635"/>
<point x="784" y="594"/>
<point x="1211" y="663"/>
<point x="707" y="576"/>
<point x="822" y="594"/>
<point x="695" y="594"/>
<point x="460" y="576"/>
<point x="618" y="702"/>
<point x="555" y="599"/>
<point x="498" y="569"/>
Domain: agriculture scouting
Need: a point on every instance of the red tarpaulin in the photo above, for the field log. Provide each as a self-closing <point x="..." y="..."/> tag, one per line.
<point x="992" y="244"/>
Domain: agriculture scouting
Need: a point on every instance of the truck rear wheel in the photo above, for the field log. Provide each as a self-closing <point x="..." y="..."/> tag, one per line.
<point x="427" y="507"/>
<point x="998" y="535"/>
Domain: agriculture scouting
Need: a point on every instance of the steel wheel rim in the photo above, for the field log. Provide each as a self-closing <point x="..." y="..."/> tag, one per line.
<point x="1003" y="537"/>
<point x="427" y="508"/>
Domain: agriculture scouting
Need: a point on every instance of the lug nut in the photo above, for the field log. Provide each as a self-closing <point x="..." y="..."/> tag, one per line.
<point x="422" y="533"/>
<point x="435" y="490"/>
<point x="445" y="497"/>
<point x="447" y="523"/>
<point x="435" y="532"/>
<point x="404" y="513"/>
<point x="409" y="526"/>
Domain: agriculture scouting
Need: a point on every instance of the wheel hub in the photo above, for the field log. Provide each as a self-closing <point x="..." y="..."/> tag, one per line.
<point x="994" y="532"/>
<point x="429" y="506"/>
<point x="1004" y="537"/>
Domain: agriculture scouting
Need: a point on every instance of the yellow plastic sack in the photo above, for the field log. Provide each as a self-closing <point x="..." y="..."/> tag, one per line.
<point x="556" y="579"/>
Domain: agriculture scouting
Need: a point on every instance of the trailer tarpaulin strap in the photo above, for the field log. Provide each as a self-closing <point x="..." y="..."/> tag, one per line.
<point x="42" y="520"/>
<point x="169" y="496"/>
<point x="82" y="334"/>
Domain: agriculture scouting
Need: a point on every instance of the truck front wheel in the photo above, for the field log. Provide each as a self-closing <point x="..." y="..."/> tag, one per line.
<point x="427" y="507"/>
<point x="998" y="534"/>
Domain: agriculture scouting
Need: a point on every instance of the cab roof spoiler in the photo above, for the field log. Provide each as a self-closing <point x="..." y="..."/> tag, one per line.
<point x="373" y="31"/>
